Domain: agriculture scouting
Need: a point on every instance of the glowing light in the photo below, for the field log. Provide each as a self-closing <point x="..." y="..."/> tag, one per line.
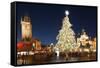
<point x="67" y="12"/>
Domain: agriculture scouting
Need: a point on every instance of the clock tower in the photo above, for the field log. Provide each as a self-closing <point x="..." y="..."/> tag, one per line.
<point x="26" y="28"/>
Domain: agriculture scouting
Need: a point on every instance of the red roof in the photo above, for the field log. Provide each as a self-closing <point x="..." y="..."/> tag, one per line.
<point x="20" y="45"/>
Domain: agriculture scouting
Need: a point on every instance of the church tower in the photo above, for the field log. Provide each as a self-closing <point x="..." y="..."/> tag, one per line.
<point x="26" y="28"/>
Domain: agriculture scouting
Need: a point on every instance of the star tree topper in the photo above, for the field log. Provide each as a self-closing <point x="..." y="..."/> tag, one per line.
<point x="67" y="12"/>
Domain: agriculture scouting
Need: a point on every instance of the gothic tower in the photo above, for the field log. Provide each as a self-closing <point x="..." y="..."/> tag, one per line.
<point x="26" y="28"/>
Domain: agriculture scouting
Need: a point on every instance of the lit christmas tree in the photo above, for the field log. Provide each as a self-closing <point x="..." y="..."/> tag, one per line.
<point x="66" y="36"/>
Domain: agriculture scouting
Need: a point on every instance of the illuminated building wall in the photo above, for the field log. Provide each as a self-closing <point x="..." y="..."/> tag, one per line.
<point x="36" y="44"/>
<point x="94" y="43"/>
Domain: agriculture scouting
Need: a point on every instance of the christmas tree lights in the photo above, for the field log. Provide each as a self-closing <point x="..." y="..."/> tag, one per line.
<point x="66" y="37"/>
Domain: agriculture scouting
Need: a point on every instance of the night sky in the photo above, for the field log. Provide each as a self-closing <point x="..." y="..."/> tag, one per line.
<point x="47" y="20"/>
